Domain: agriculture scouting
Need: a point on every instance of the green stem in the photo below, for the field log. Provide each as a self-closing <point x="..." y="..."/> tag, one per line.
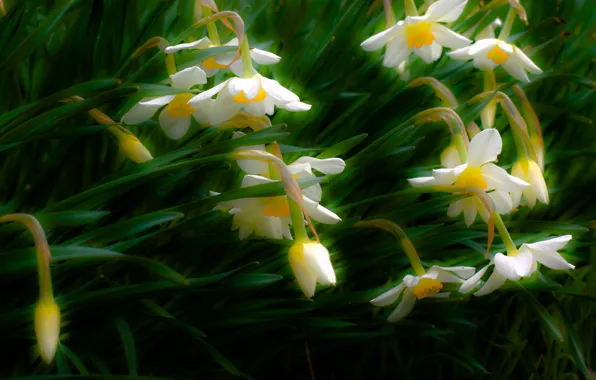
<point x="246" y="60"/>
<point x="211" y="28"/>
<point x="509" y="244"/>
<point x="171" y="64"/>
<point x="410" y="8"/>
<point x="389" y="15"/>
<point x="461" y="148"/>
<point x="297" y="221"/>
<point x="506" y="30"/>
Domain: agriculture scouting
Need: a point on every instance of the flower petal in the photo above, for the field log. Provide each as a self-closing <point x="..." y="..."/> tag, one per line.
<point x="278" y="92"/>
<point x="550" y="245"/>
<point x="460" y="54"/>
<point x="317" y="257"/>
<point x="203" y="43"/>
<point x="494" y="282"/>
<point x="250" y="86"/>
<point x="145" y="109"/>
<point x="550" y="257"/>
<point x="295" y="106"/>
<point x="515" y="68"/>
<point x="207" y="94"/>
<point x="174" y="127"/>
<point x="481" y="47"/>
<point x="404" y="307"/>
<point x="306" y="277"/>
<point x="461" y="271"/>
<point x="389" y="296"/>
<point x="397" y="51"/>
<point x="380" y="39"/>
<point x="187" y="78"/>
<point x="428" y="53"/>
<point x="502" y="201"/>
<point x="526" y="61"/>
<point x="326" y="166"/>
<point x="450" y="157"/>
<point x="454" y="209"/>
<point x="470" y="208"/>
<point x="263" y="57"/>
<point x="473" y="281"/>
<point x="320" y="213"/>
<point x="253" y="180"/>
<point x="422" y="181"/>
<point x="484" y="147"/>
<point x="446" y="37"/>
<point x="498" y="178"/>
<point x="445" y="10"/>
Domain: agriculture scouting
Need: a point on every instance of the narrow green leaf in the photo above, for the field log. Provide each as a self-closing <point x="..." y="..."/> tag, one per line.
<point x="128" y="343"/>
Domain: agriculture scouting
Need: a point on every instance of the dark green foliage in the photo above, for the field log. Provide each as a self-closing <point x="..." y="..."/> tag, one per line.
<point x="153" y="284"/>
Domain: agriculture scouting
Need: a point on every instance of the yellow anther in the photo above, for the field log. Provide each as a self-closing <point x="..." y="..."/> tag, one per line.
<point x="497" y="55"/>
<point x="427" y="287"/>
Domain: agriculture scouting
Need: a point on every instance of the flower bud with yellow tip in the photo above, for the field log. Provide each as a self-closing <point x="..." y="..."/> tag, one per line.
<point x="529" y="171"/>
<point x="311" y="264"/>
<point x="132" y="148"/>
<point x="47" y="328"/>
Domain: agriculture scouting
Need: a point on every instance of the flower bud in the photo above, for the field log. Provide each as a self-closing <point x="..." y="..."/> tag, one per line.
<point x="529" y="171"/>
<point x="450" y="157"/>
<point x="132" y="148"/>
<point x="47" y="328"/>
<point x="311" y="264"/>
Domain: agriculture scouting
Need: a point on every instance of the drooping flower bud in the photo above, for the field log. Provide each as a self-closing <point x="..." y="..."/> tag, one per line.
<point x="132" y="148"/>
<point x="47" y="328"/>
<point x="311" y="264"/>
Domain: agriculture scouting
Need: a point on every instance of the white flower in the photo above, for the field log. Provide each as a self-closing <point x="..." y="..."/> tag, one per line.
<point x="213" y="64"/>
<point x="478" y="172"/>
<point x="492" y="52"/>
<point x="529" y="171"/>
<point x="311" y="264"/>
<point x="269" y="216"/>
<point x="421" y="34"/>
<point x="429" y="284"/>
<point x="523" y="264"/>
<point x="174" y="119"/>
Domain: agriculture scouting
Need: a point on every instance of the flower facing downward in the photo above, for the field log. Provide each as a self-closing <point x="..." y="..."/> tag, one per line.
<point x="311" y="264"/>
<point x="220" y="61"/>
<point x="422" y="35"/>
<point x="47" y="328"/>
<point x="478" y="172"/>
<point x="522" y="264"/>
<point x="257" y="95"/>
<point x="492" y="52"/>
<point x="132" y="148"/>
<point x="429" y="284"/>
<point x="174" y="119"/>
<point x="529" y="171"/>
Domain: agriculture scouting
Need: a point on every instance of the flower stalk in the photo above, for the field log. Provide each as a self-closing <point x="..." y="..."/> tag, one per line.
<point x="410" y="8"/>
<point x="506" y="29"/>
<point x="211" y="27"/>
<point x="504" y="233"/>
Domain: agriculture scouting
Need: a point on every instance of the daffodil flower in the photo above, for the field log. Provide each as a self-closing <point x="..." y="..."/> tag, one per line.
<point x="257" y="95"/>
<point x="478" y="172"/>
<point x="422" y="35"/>
<point x="492" y="52"/>
<point x="528" y="170"/>
<point x="429" y="284"/>
<point x="311" y="264"/>
<point x="522" y="264"/>
<point x="175" y="117"/>
<point x="269" y="216"/>
<point x="220" y="61"/>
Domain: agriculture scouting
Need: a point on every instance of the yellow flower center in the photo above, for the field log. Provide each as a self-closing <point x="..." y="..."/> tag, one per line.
<point x="497" y="55"/>
<point x="179" y="106"/>
<point x="419" y="34"/>
<point x="241" y="98"/>
<point x="211" y="64"/>
<point x="427" y="287"/>
<point x="276" y="206"/>
<point x="471" y="177"/>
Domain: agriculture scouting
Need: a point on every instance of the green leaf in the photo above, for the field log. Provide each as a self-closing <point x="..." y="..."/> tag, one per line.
<point x="128" y="343"/>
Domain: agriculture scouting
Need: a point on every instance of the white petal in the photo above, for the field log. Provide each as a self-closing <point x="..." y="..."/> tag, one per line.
<point x="317" y="257"/>
<point x="427" y="53"/>
<point x="461" y="271"/>
<point x="470" y="209"/>
<point x="174" y="127"/>
<point x="314" y="192"/>
<point x="404" y="307"/>
<point x="498" y="178"/>
<point x="515" y="68"/>
<point x="250" y="86"/>
<point x="446" y="37"/>
<point x="142" y="111"/>
<point x="253" y="180"/>
<point x="445" y="275"/>
<point x="253" y="166"/>
<point x="454" y="209"/>
<point x="550" y="245"/>
<point x="326" y="166"/>
<point x="187" y="78"/>
<point x="481" y="47"/>
<point x="389" y="296"/>
<point x="263" y="57"/>
<point x="237" y="68"/>
<point x="306" y="277"/>
<point x="460" y="54"/>
<point x="494" y="282"/>
<point x="513" y="267"/>
<point x="536" y="179"/>
<point x="502" y="201"/>
<point x="444" y="176"/>
<point x="484" y="147"/>
<point x="320" y="213"/>
<point x="380" y="39"/>
<point x="473" y="281"/>
<point x="445" y="10"/>
<point x="397" y="51"/>
<point x="207" y="94"/>
<point x="278" y="92"/>
<point x="295" y="106"/>
<point x="422" y="181"/>
<point x="516" y="198"/>
<point x="482" y="62"/>
<point x="232" y="42"/>
<point x="550" y="257"/>
<point x="450" y="157"/>
<point x="527" y="62"/>
<point x="203" y="43"/>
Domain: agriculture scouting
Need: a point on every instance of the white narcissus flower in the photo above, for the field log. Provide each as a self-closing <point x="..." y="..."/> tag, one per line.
<point x="523" y="264"/>
<point x="478" y="172"/>
<point x="528" y="170"/>
<point x="174" y="119"/>
<point x="422" y="35"/>
<point x="220" y="61"/>
<point x="269" y="216"/>
<point x="310" y="263"/>
<point x="429" y="284"/>
<point x="492" y="52"/>
<point x="257" y="95"/>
